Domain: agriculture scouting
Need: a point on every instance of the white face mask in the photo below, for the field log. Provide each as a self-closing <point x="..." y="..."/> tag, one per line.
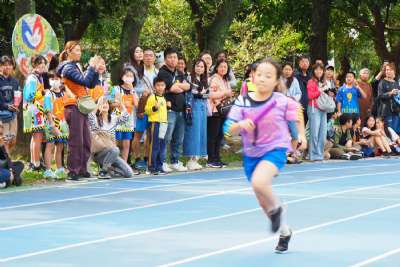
<point x="128" y="80"/>
<point x="55" y="83"/>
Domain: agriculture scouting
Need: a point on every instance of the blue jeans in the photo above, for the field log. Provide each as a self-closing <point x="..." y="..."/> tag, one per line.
<point x="174" y="136"/>
<point x="318" y="131"/>
<point x="393" y="122"/>
<point x="4" y="176"/>
<point x="157" y="148"/>
<point x="195" y="141"/>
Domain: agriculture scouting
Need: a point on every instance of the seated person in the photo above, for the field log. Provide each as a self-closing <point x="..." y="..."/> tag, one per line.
<point x="10" y="171"/>
<point x="359" y="141"/>
<point x="343" y="147"/>
<point x="104" y="122"/>
<point x="390" y="136"/>
<point x="375" y="138"/>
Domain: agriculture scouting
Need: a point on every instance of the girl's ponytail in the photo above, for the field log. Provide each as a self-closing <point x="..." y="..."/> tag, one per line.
<point x="67" y="48"/>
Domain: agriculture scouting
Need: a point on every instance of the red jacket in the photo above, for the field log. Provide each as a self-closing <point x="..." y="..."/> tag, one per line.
<point x="313" y="93"/>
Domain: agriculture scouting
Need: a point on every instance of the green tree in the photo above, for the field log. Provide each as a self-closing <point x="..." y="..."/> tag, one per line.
<point x="212" y="20"/>
<point x="377" y="19"/>
<point x="248" y="43"/>
<point x="169" y="24"/>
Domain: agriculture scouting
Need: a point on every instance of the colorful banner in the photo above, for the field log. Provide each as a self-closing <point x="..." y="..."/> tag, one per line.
<point x="33" y="35"/>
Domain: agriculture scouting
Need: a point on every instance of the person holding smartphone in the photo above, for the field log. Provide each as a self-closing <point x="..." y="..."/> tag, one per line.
<point x="10" y="98"/>
<point x="388" y="88"/>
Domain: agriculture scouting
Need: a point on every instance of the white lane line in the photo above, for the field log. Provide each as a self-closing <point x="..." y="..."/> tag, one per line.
<point x="377" y="258"/>
<point x="174" y="226"/>
<point x="220" y="193"/>
<point x="169" y="185"/>
<point x="265" y="240"/>
<point x="142" y="178"/>
<point x="117" y="192"/>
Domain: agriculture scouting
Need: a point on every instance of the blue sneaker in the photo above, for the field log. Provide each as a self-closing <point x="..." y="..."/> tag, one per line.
<point x="140" y="165"/>
<point x="49" y="174"/>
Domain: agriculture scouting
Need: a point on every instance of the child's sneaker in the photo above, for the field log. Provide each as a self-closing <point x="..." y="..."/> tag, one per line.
<point x="49" y="174"/>
<point x="3" y="185"/>
<point x="60" y="173"/>
<point x="166" y="168"/>
<point x="283" y="243"/>
<point x="140" y="165"/>
<point x="104" y="175"/>
<point x="275" y="217"/>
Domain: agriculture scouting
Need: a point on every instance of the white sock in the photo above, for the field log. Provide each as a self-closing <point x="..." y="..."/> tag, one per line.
<point x="285" y="229"/>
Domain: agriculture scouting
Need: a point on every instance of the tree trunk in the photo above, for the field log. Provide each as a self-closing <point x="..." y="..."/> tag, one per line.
<point x="133" y="23"/>
<point x="212" y="37"/>
<point x="22" y="148"/>
<point x="23" y="7"/>
<point x="345" y="67"/>
<point x="75" y="30"/>
<point x="319" y="28"/>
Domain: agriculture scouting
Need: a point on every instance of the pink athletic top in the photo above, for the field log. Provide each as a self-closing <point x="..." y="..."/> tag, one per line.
<point x="272" y="129"/>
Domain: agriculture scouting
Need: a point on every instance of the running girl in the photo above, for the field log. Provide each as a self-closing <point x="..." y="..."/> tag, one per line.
<point x="262" y="118"/>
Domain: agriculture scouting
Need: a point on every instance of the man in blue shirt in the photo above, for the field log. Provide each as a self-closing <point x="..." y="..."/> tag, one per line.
<point x="8" y="112"/>
<point x="349" y="94"/>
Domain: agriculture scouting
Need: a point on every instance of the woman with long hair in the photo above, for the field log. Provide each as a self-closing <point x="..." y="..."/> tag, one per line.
<point x="317" y="117"/>
<point x="195" y="141"/>
<point x="77" y="84"/>
<point x="220" y="89"/>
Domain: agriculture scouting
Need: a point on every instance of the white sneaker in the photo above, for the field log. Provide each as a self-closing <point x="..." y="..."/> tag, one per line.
<point x="192" y="165"/>
<point x="179" y="167"/>
<point x="198" y="166"/>
<point x="166" y="168"/>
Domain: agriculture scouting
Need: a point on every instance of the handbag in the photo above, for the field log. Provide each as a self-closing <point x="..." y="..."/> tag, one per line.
<point x="225" y="106"/>
<point x="189" y="117"/>
<point x="395" y="103"/>
<point x="326" y="103"/>
<point x="162" y="130"/>
<point x="100" y="141"/>
<point x="86" y="104"/>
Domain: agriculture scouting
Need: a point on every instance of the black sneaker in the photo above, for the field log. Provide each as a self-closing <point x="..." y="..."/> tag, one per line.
<point x="162" y="172"/>
<point x="283" y="243"/>
<point x="73" y="176"/>
<point x="275" y="217"/>
<point x="103" y="175"/>
<point x="223" y="164"/>
<point x="355" y="157"/>
<point x="215" y="165"/>
<point x="34" y="168"/>
<point x="85" y="174"/>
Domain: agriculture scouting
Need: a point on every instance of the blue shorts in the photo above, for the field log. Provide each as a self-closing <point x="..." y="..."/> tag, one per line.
<point x="276" y="157"/>
<point x="142" y="124"/>
<point x="119" y="136"/>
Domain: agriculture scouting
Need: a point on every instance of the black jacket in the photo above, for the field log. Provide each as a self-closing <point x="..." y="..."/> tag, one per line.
<point x="386" y="105"/>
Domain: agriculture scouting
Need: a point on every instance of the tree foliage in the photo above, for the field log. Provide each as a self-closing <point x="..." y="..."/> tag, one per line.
<point x="248" y="43"/>
<point x="169" y="24"/>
